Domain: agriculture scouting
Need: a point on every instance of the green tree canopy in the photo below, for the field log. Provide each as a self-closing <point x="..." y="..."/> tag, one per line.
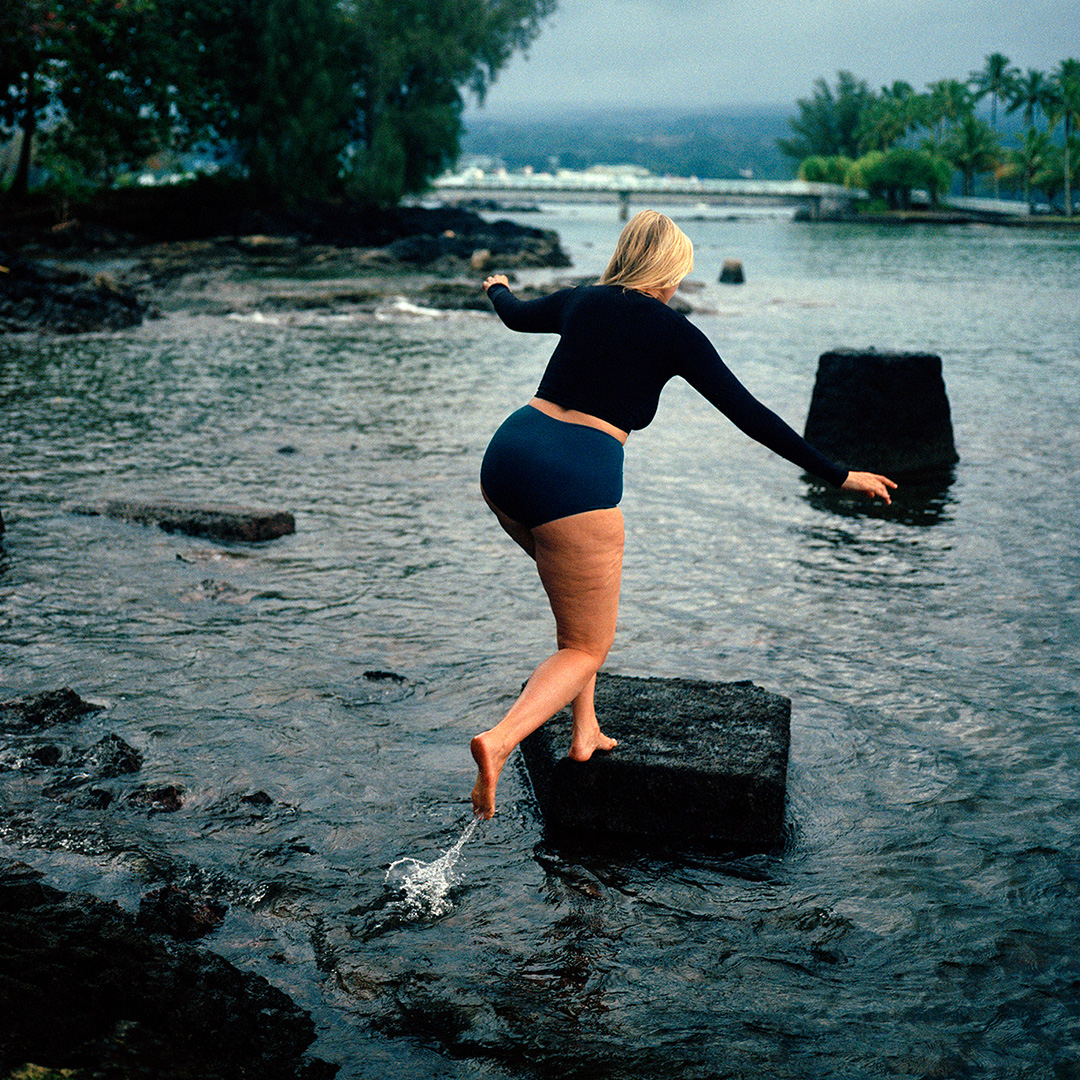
<point x="826" y="170"/>
<point x="93" y="71"/>
<point x="408" y="62"/>
<point x="973" y="147"/>
<point x="831" y="120"/>
<point x="294" y="88"/>
<point x="892" y="175"/>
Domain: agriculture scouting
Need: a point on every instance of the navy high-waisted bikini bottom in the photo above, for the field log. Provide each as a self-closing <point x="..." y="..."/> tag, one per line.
<point x="537" y="469"/>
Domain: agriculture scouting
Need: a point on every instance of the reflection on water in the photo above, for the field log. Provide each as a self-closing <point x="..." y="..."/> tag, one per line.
<point x="312" y="699"/>
<point x="925" y="500"/>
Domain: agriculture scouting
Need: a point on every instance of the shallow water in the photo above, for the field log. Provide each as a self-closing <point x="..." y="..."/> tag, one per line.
<point x="921" y="919"/>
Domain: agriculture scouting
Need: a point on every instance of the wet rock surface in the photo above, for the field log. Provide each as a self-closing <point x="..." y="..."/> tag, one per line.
<point x="698" y="763"/>
<point x="213" y="521"/>
<point x="35" y="296"/>
<point x="83" y="986"/>
<point x="38" y="711"/>
<point x="180" y="913"/>
<point x="882" y="411"/>
<point x="63" y="771"/>
<point x="114" y="261"/>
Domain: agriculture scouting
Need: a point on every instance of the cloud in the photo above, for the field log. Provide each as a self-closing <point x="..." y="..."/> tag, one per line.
<point x="731" y="52"/>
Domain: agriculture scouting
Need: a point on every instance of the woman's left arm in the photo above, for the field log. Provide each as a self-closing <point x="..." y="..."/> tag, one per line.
<point x="707" y="373"/>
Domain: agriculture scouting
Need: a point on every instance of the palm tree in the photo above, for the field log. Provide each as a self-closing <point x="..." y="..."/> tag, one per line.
<point x="948" y="100"/>
<point x="973" y="147"/>
<point x="1031" y="93"/>
<point x="1031" y="160"/>
<point x="883" y="124"/>
<point x="996" y="79"/>
<point x="1064" y="105"/>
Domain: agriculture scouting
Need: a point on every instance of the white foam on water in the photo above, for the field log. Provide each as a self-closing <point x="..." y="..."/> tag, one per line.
<point x="425" y="887"/>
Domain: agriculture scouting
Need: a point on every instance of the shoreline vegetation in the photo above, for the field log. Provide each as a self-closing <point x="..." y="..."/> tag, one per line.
<point x="900" y="140"/>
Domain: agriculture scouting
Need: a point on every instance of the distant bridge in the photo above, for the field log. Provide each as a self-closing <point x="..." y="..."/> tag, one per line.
<point x="815" y="198"/>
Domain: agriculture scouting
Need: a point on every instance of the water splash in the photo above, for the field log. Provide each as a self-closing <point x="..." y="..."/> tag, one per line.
<point x="425" y="887"/>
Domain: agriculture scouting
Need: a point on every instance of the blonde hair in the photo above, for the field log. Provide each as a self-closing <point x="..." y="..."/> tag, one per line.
<point x="653" y="253"/>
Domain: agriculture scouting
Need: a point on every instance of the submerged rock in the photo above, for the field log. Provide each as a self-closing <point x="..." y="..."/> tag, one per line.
<point x="39" y="711"/>
<point x="882" y="411"/>
<point x="216" y="521"/>
<point x="82" y="986"/>
<point x="108" y="758"/>
<point x="698" y="764"/>
<point x="157" y="800"/>
<point x="180" y="913"/>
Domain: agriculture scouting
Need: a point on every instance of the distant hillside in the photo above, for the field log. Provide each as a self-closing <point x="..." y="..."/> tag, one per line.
<point x="708" y="144"/>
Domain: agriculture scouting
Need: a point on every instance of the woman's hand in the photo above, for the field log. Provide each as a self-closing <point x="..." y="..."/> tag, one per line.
<point x="869" y="484"/>
<point x="496" y="279"/>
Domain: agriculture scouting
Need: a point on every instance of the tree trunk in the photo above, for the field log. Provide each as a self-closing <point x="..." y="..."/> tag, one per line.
<point x="1068" y="173"/>
<point x="21" y="184"/>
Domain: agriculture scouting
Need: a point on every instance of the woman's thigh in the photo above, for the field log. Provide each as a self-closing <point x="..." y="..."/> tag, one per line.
<point x="517" y="532"/>
<point x="579" y="559"/>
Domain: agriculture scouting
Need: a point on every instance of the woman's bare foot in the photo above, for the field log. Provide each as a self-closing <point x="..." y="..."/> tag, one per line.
<point x="585" y="744"/>
<point x="489" y="765"/>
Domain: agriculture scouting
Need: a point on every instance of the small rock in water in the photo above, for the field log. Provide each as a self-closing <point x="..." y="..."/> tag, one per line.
<point x="44" y="710"/>
<point x="732" y="273"/>
<point x="167" y="799"/>
<point x="217" y="521"/>
<point x="110" y="757"/>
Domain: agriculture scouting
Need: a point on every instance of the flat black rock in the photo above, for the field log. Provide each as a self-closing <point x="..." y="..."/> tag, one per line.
<point x="215" y="521"/>
<point x="883" y="412"/>
<point x="699" y="763"/>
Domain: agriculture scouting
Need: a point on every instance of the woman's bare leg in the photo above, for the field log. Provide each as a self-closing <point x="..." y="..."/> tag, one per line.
<point x="520" y="534"/>
<point x="587" y="737"/>
<point x="579" y="559"/>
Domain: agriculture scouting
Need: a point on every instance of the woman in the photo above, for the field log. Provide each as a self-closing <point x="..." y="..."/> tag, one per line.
<point x="552" y="473"/>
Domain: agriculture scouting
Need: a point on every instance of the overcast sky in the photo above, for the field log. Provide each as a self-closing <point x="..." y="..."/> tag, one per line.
<point x="739" y="52"/>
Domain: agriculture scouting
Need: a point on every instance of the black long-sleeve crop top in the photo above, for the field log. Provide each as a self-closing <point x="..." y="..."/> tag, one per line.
<point x="619" y="347"/>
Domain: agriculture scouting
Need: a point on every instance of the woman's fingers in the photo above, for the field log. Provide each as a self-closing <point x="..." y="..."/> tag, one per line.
<point x="872" y="485"/>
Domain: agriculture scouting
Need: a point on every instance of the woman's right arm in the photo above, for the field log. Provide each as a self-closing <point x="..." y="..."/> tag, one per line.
<point x="540" y="316"/>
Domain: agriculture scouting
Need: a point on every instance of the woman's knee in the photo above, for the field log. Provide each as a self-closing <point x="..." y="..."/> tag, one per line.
<point x="596" y="648"/>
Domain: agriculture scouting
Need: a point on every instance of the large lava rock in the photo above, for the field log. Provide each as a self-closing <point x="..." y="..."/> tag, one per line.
<point x="83" y="987"/>
<point x="881" y="411"/>
<point x="698" y="764"/>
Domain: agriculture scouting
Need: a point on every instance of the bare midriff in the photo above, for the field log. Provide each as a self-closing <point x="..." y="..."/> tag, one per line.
<point x="573" y="416"/>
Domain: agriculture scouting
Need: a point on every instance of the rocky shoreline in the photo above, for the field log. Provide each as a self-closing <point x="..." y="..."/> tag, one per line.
<point x="96" y="991"/>
<point x="107" y="271"/>
<point x="92" y="991"/>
